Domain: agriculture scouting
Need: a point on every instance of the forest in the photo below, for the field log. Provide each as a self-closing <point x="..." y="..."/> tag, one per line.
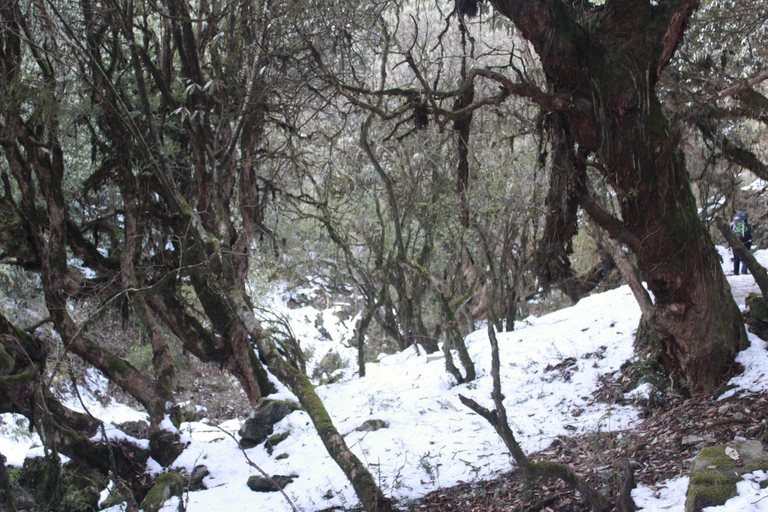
<point x="443" y="166"/>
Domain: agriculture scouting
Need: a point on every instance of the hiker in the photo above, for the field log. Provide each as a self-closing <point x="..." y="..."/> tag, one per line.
<point x="743" y="231"/>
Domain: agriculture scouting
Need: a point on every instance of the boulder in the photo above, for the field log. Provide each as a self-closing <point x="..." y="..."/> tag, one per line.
<point x="756" y="315"/>
<point x="259" y="426"/>
<point x="165" y="446"/>
<point x="138" y="429"/>
<point x="717" y="469"/>
<point x="274" y="440"/>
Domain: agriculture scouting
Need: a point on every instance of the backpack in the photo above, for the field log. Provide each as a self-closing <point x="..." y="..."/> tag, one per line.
<point x="740" y="226"/>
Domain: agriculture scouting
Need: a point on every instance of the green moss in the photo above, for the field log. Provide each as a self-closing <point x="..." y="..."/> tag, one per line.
<point x="715" y="456"/>
<point x="6" y="362"/>
<point x="117" y="366"/>
<point x="81" y="488"/>
<point x="274" y="440"/>
<point x="709" y="489"/>
<point x="165" y="486"/>
<point x="715" y="474"/>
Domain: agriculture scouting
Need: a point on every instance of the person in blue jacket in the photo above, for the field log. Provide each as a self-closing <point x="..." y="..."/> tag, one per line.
<point x="743" y="231"/>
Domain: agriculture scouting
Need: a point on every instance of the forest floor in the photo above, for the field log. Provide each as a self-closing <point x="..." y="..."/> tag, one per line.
<point x="661" y="448"/>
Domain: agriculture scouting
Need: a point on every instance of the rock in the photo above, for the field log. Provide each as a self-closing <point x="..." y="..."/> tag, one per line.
<point x="138" y="429"/>
<point x="82" y="487"/>
<point x="691" y="440"/>
<point x="274" y="440"/>
<point x="328" y="366"/>
<point x="262" y="484"/>
<point x="196" y="478"/>
<point x="756" y="315"/>
<point x="717" y="469"/>
<point x="372" y="425"/>
<point x="165" y="486"/>
<point x="6" y="496"/>
<point x="259" y="426"/>
<point x="165" y="446"/>
<point x="757" y="306"/>
<point x="45" y="483"/>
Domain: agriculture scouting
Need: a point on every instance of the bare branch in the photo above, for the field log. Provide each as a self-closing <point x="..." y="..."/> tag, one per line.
<point x="264" y="473"/>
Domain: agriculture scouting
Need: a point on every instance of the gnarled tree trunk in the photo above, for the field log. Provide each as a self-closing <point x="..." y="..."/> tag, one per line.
<point x="604" y="65"/>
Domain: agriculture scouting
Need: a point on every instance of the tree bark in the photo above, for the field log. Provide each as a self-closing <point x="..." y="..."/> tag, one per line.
<point x="23" y="391"/>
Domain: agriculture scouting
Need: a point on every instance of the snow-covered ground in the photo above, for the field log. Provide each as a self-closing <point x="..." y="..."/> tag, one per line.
<point x="432" y="440"/>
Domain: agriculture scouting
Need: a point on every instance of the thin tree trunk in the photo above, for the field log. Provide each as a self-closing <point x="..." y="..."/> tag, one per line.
<point x="531" y="470"/>
<point x="745" y="255"/>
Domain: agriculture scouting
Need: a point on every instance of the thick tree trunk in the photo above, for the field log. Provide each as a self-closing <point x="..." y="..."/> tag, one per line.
<point x="604" y="65"/>
<point x="699" y="324"/>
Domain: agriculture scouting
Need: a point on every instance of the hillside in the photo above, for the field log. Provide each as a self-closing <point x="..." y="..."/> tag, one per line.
<point x="567" y="399"/>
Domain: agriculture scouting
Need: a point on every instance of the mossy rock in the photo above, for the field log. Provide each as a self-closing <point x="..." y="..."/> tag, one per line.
<point x="165" y="486"/>
<point x="114" y="498"/>
<point x="71" y="488"/>
<point x="262" y="484"/>
<point x="328" y="365"/>
<point x="82" y="487"/>
<point x="715" y="474"/>
<point x="274" y="440"/>
<point x="165" y="446"/>
<point x="757" y="306"/>
<point x="258" y="427"/>
<point x="756" y="315"/>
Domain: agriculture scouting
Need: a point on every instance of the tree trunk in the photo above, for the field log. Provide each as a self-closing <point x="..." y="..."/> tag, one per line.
<point x="371" y="497"/>
<point x="605" y="65"/>
<point x="23" y="391"/>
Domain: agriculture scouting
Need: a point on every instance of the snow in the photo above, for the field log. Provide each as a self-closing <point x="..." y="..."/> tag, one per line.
<point x="549" y="368"/>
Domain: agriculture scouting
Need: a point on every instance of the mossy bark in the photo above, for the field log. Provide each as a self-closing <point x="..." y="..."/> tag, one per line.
<point x="6" y="495"/>
<point x="23" y="391"/>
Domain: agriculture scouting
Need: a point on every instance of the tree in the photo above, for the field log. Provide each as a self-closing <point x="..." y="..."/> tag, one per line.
<point x="603" y="64"/>
<point x="162" y="127"/>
